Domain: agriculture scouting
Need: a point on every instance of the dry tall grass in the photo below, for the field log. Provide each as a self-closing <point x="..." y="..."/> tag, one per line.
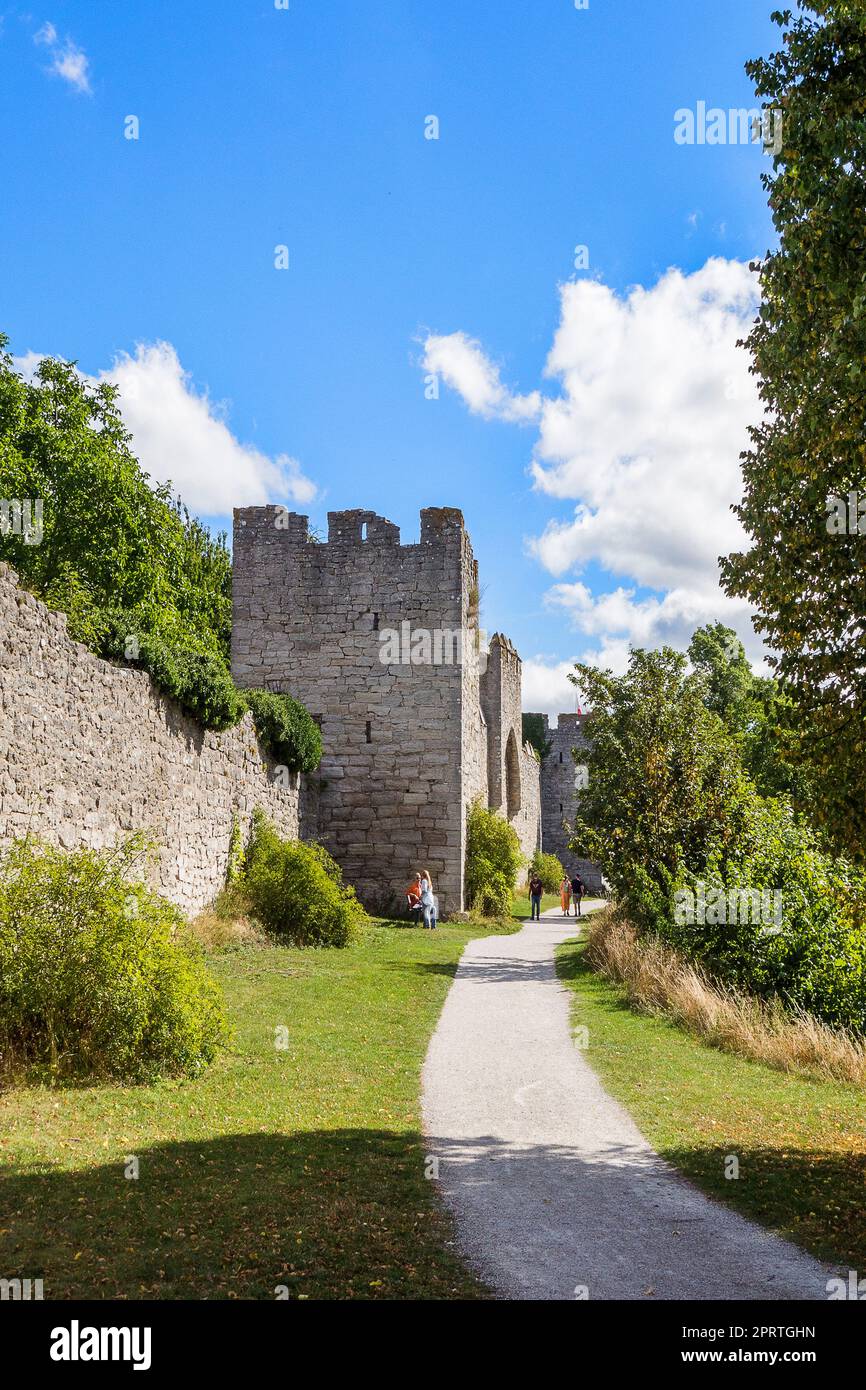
<point x="659" y="981"/>
<point x="227" y="922"/>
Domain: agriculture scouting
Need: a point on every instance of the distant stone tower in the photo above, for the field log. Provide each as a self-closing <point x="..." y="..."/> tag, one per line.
<point x="560" y="773"/>
<point x="513" y="784"/>
<point x="404" y="740"/>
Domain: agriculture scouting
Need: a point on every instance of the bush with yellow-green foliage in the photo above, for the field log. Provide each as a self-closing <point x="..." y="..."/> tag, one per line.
<point x="98" y="976"/>
<point x="549" y="870"/>
<point x="296" y="890"/>
<point x="493" y="860"/>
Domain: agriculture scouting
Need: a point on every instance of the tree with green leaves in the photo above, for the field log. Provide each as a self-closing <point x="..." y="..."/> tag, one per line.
<point x="666" y="790"/>
<point x="533" y="734"/>
<point x="754" y="709"/>
<point x="493" y="860"/>
<point x="670" y="814"/>
<point x="804" y="503"/>
<point x="138" y="578"/>
<point x="111" y="542"/>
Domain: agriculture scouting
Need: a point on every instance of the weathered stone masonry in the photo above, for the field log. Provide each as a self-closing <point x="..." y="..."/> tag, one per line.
<point x="559" y="791"/>
<point x="407" y="745"/>
<point x="90" y="751"/>
<point x="513" y="781"/>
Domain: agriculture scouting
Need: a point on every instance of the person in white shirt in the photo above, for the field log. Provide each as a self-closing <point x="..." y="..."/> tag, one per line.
<point x="428" y="901"/>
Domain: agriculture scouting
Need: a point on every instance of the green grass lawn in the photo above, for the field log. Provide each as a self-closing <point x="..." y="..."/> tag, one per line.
<point x="522" y="907"/>
<point x="801" y="1144"/>
<point x="301" y="1167"/>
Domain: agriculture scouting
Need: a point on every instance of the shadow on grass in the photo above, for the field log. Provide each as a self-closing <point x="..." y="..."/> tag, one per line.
<point x="423" y="967"/>
<point x="812" y="1196"/>
<point x="328" y="1214"/>
<point x="348" y="1214"/>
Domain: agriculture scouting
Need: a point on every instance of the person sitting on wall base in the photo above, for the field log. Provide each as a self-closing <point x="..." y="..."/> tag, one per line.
<point x="413" y="897"/>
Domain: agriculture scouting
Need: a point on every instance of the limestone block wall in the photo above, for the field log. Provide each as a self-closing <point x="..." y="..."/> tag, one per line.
<point x="527" y="822"/>
<point x="558" y="795"/>
<point x="513" y="774"/>
<point x="90" y="751"/>
<point x="474" y="731"/>
<point x="400" y="736"/>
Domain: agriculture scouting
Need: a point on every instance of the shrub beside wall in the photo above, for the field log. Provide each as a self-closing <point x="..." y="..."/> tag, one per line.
<point x="493" y="861"/>
<point x="287" y="729"/>
<point x="549" y="870"/>
<point x="199" y="680"/>
<point x="296" y="890"/>
<point x="97" y="974"/>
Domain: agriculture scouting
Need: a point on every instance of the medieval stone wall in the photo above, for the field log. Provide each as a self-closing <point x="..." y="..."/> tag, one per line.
<point x="513" y="779"/>
<point x="380" y="641"/>
<point x="474" y="730"/>
<point x="90" y="751"/>
<point x="319" y="621"/>
<point x="527" y="821"/>
<point x="559" y="773"/>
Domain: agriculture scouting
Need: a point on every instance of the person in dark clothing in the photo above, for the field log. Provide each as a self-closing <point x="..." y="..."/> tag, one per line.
<point x="536" y="888"/>
<point x="578" y="889"/>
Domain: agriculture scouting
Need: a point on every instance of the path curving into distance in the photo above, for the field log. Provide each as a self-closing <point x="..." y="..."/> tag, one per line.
<point x="553" y="1188"/>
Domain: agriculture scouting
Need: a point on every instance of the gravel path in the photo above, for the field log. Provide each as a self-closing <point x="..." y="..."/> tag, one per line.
<point x="555" y="1192"/>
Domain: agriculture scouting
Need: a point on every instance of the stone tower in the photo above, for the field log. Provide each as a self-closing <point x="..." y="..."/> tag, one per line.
<point x="403" y="734"/>
<point x="512" y="768"/>
<point x="559" y="786"/>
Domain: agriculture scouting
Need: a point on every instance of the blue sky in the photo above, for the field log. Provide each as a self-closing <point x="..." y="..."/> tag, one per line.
<point x="305" y="127"/>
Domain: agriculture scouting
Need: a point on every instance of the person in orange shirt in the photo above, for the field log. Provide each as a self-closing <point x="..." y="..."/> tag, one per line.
<point x="565" y="894"/>
<point x="413" y="895"/>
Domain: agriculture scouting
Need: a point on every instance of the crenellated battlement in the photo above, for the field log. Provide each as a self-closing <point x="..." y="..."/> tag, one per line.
<point x="440" y="526"/>
<point x="503" y="648"/>
<point x="359" y="527"/>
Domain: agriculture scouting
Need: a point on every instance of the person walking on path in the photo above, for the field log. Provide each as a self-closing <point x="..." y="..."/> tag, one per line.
<point x="536" y="888"/>
<point x="565" y="894"/>
<point x="578" y="888"/>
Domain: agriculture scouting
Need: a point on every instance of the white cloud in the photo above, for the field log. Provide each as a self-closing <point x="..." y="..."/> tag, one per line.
<point x="67" y="60"/>
<point x="180" y="435"/>
<point x="656" y="400"/>
<point x="644" y="438"/>
<point x="26" y="364"/>
<point x="71" y="64"/>
<point x="546" y="687"/>
<point x="623" y="620"/>
<point x="462" y="364"/>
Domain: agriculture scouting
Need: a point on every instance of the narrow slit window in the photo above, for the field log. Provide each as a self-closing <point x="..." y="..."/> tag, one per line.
<point x="560" y="757"/>
<point x="369" y="732"/>
<point x="375" y="622"/>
